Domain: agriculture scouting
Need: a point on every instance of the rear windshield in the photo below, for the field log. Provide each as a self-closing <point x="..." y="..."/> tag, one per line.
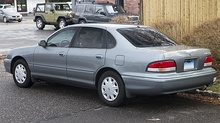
<point x="145" y="37"/>
<point x="7" y="6"/>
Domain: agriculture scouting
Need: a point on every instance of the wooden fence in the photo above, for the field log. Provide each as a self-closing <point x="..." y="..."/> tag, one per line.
<point x="188" y="13"/>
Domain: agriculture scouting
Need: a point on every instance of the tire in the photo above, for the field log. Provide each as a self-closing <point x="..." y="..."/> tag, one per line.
<point x="5" y="20"/>
<point x="56" y="27"/>
<point x="111" y="89"/>
<point x="21" y="74"/>
<point x="40" y="24"/>
<point x="19" y="21"/>
<point x="62" y="23"/>
<point x="82" y="21"/>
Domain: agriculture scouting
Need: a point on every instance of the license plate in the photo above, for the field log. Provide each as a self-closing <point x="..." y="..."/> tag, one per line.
<point x="189" y="64"/>
<point x="17" y="18"/>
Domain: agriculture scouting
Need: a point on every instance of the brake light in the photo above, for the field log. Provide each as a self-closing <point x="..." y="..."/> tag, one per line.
<point x="162" y="66"/>
<point x="208" y="61"/>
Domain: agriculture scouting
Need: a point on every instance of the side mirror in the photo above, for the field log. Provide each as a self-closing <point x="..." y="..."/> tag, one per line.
<point x="103" y="13"/>
<point x="42" y="43"/>
<point x="52" y="10"/>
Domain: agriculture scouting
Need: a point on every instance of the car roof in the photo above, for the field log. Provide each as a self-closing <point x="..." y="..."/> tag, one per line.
<point x="108" y="25"/>
<point x="89" y="3"/>
<point x="53" y="3"/>
<point x="5" y="4"/>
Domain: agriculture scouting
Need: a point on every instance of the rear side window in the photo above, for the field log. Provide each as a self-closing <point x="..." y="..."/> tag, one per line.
<point x="48" y="7"/>
<point x="7" y="6"/>
<point x="40" y="8"/>
<point x="111" y="42"/>
<point x="79" y="8"/>
<point x="89" y="9"/>
<point x="145" y="37"/>
<point x="89" y="37"/>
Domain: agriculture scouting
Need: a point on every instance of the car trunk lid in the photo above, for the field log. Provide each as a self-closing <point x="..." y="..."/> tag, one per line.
<point x="186" y="58"/>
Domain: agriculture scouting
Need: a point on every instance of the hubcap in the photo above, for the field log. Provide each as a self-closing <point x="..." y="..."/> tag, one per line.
<point x="20" y="73"/>
<point x="39" y="23"/>
<point x="62" y="24"/>
<point x="110" y="89"/>
<point x="5" y="20"/>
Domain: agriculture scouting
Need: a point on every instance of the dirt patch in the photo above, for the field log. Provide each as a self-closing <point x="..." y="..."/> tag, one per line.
<point x="199" y="97"/>
<point x="2" y="56"/>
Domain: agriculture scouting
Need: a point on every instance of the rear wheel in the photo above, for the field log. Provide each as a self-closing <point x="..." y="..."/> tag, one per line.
<point x="111" y="89"/>
<point x="40" y="24"/>
<point x="21" y="74"/>
<point x="82" y="21"/>
<point x="62" y="23"/>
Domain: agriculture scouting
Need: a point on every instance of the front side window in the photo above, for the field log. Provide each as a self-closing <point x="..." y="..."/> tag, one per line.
<point x="99" y="9"/>
<point x="114" y="9"/>
<point x="48" y="7"/>
<point x="62" y="38"/>
<point x="89" y="9"/>
<point x="90" y="38"/>
<point x="62" y="7"/>
<point x="145" y="37"/>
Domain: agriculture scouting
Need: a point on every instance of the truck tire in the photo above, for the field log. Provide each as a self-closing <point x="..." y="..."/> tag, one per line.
<point x="62" y="23"/>
<point x="40" y="24"/>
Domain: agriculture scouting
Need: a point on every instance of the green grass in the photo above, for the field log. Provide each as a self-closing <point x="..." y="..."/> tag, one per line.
<point x="215" y="87"/>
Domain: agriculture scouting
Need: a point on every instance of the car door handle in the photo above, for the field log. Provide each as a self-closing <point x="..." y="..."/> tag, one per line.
<point x="99" y="56"/>
<point x="61" y="54"/>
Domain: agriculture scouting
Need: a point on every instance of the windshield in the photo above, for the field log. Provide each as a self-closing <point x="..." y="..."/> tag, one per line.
<point x="115" y="9"/>
<point x="7" y="6"/>
<point x="62" y="7"/>
<point x="9" y="11"/>
<point x="145" y="37"/>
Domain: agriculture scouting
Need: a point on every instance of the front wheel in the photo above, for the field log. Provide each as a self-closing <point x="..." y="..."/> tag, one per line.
<point x="111" y="89"/>
<point x="21" y="74"/>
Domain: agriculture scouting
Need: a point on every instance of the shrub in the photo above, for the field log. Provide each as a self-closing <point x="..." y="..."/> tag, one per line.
<point x="120" y="19"/>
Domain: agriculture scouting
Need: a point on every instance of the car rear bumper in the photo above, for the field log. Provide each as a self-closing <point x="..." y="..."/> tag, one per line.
<point x="168" y="83"/>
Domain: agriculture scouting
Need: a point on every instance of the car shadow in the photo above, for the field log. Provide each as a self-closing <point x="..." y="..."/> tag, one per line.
<point x="152" y="102"/>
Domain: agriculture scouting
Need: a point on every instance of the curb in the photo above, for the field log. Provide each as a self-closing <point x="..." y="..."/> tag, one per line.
<point x="206" y="93"/>
<point x="2" y="56"/>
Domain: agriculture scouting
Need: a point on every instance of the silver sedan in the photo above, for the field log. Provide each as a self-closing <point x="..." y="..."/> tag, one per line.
<point x="120" y="61"/>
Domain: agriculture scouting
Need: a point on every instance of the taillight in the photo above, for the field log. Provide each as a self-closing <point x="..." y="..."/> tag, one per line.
<point x="208" y="61"/>
<point x="162" y="66"/>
